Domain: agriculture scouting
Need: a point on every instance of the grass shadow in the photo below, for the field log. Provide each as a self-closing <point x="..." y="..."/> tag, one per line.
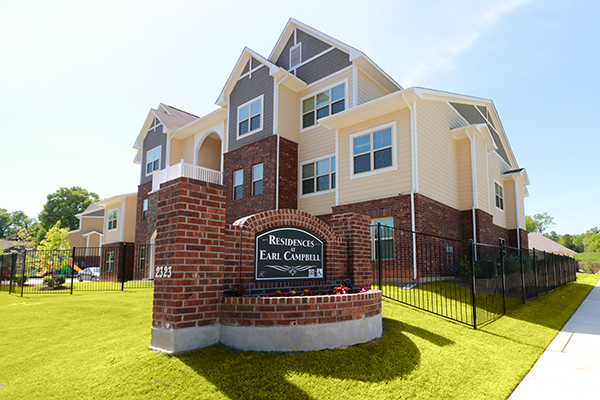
<point x="239" y="374"/>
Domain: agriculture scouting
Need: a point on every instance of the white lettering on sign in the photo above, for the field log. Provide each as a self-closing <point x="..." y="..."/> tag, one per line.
<point x="163" y="272"/>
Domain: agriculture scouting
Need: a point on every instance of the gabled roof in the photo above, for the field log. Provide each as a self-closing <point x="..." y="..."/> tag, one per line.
<point x="541" y="242"/>
<point x="115" y="199"/>
<point x="239" y="69"/>
<point x="170" y="117"/>
<point x="356" y="56"/>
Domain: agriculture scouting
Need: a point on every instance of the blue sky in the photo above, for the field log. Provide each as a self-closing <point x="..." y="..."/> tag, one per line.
<point x="77" y="80"/>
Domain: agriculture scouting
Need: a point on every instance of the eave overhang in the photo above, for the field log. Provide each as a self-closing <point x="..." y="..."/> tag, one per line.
<point x="202" y="123"/>
<point x="469" y="131"/>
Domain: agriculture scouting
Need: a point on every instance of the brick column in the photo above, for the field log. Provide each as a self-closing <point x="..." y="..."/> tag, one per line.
<point x="189" y="263"/>
<point x="354" y="228"/>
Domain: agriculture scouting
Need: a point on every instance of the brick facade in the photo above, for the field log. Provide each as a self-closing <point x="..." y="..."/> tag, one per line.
<point x="263" y="151"/>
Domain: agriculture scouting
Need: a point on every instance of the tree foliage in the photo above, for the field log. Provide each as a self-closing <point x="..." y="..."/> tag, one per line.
<point x="539" y="222"/>
<point x="5" y="222"/>
<point x="56" y="239"/>
<point x="63" y="205"/>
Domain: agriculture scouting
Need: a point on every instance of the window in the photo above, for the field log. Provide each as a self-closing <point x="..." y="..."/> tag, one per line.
<point x="295" y="55"/>
<point x="238" y="182"/>
<point x="153" y="160"/>
<point x="387" y="238"/>
<point x="321" y="105"/>
<point x="318" y="176"/>
<point x="372" y="151"/>
<point x="110" y="261"/>
<point x="142" y="258"/>
<point x="144" y="209"/>
<point x="250" y="117"/>
<point x="112" y="219"/>
<point x="499" y="194"/>
<point x="257" y="179"/>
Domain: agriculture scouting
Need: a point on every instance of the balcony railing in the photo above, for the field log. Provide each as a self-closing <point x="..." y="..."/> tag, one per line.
<point x="187" y="170"/>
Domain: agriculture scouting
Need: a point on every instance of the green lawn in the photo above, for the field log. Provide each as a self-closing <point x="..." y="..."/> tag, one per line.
<point x="594" y="256"/>
<point x="94" y="345"/>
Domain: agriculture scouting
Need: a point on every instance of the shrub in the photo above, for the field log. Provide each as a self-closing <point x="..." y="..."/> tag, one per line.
<point x="589" y="266"/>
<point x="20" y="279"/>
<point x="59" y="280"/>
<point x="49" y="281"/>
<point x="466" y="269"/>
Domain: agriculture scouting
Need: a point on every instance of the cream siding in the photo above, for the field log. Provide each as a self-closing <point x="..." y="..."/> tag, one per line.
<point x="376" y="185"/>
<point x="521" y="204"/>
<point x="176" y="151"/>
<point x="318" y="141"/>
<point x="497" y="167"/>
<point x="368" y="89"/>
<point x="465" y="186"/>
<point x="317" y="204"/>
<point x="94" y="241"/>
<point x="129" y="220"/>
<point x="482" y="172"/>
<point x="187" y="151"/>
<point x="76" y="240"/>
<point x="289" y="114"/>
<point x="209" y="154"/>
<point x="89" y="224"/>
<point x="437" y="153"/>
<point x="510" y="219"/>
<point x="114" y="235"/>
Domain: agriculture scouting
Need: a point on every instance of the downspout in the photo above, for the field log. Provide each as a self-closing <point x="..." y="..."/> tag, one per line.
<point x="413" y="151"/>
<point x="516" y="180"/>
<point x="276" y="129"/>
<point x="474" y="187"/>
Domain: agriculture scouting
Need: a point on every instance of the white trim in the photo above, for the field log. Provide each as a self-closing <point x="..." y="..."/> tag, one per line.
<point x="313" y="58"/>
<point x="256" y="180"/>
<point x="122" y="227"/>
<point x="416" y="147"/>
<point x="314" y="94"/>
<point x="369" y="131"/>
<point x="354" y="86"/>
<point x="517" y="211"/>
<point x="262" y="116"/>
<point x="315" y="83"/>
<point x="159" y="147"/>
<point x="294" y="47"/>
<point x="503" y="201"/>
<point x="249" y="73"/>
<point x="108" y="229"/>
<point x="233" y="186"/>
<point x="313" y="161"/>
<point x="337" y="168"/>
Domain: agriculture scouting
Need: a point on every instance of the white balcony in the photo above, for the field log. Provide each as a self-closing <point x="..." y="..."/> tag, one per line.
<point x="187" y="170"/>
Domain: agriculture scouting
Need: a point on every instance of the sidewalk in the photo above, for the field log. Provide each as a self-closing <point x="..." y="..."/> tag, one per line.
<point x="570" y="366"/>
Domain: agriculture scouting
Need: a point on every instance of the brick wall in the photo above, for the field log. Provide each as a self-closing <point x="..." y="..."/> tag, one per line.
<point x="141" y="227"/>
<point x="191" y="229"/>
<point x="285" y="311"/>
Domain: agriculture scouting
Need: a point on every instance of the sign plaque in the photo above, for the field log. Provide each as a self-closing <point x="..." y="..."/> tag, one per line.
<point x="288" y="253"/>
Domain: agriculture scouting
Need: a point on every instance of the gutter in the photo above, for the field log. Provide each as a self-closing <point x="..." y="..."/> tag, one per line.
<point x="413" y="151"/>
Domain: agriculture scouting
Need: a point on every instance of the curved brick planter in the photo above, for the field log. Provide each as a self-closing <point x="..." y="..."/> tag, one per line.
<point x="300" y="323"/>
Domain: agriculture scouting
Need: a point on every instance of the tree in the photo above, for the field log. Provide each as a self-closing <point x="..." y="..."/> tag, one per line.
<point x="5" y="222"/>
<point x="63" y="205"/>
<point x="539" y="223"/>
<point x="56" y="239"/>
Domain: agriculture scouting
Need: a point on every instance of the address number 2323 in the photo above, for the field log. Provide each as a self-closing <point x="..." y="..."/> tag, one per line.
<point x="163" y="272"/>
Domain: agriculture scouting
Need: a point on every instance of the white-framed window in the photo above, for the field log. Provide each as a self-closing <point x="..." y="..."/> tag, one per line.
<point x="250" y="116"/>
<point x="295" y="55"/>
<point x="318" y="175"/>
<point x="238" y="184"/>
<point x="110" y="261"/>
<point x="144" y="209"/>
<point x="113" y="216"/>
<point x="323" y="104"/>
<point x="257" y="179"/>
<point x="499" y="195"/>
<point x="142" y="258"/>
<point x="153" y="160"/>
<point x="373" y="150"/>
<point x="387" y="238"/>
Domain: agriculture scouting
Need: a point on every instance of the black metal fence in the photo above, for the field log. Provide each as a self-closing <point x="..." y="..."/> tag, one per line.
<point x="468" y="282"/>
<point x="80" y="269"/>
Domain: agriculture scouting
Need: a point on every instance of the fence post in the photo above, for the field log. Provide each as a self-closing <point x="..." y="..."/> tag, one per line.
<point x="535" y="273"/>
<point x="522" y="274"/>
<point x="23" y="272"/>
<point x="502" y="250"/>
<point x="72" y="268"/>
<point x="546" y="271"/>
<point x="472" y="255"/>
<point x="122" y="266"/>
<point x="379" y="254"/>
<point x="13" y="266"/>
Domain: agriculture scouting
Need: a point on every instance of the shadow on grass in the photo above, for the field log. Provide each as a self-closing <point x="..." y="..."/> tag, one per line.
<point x="263" y="375"/>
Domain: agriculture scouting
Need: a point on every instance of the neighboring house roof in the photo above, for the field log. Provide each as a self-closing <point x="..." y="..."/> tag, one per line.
<point x="7" y="245"/>
<point x="115" y="199"/>
<point x="541" y="242"/>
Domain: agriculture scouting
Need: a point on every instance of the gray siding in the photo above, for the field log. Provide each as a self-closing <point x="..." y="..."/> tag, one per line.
<point x="246" y="90"/>
<point x="311" y="46"/>
<point x="246" y="68"/>
<point x="284" y="58"/>
<point x="323" y="66"/>
<point x="469" y="113"/>
<point x="154" y="138"/>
